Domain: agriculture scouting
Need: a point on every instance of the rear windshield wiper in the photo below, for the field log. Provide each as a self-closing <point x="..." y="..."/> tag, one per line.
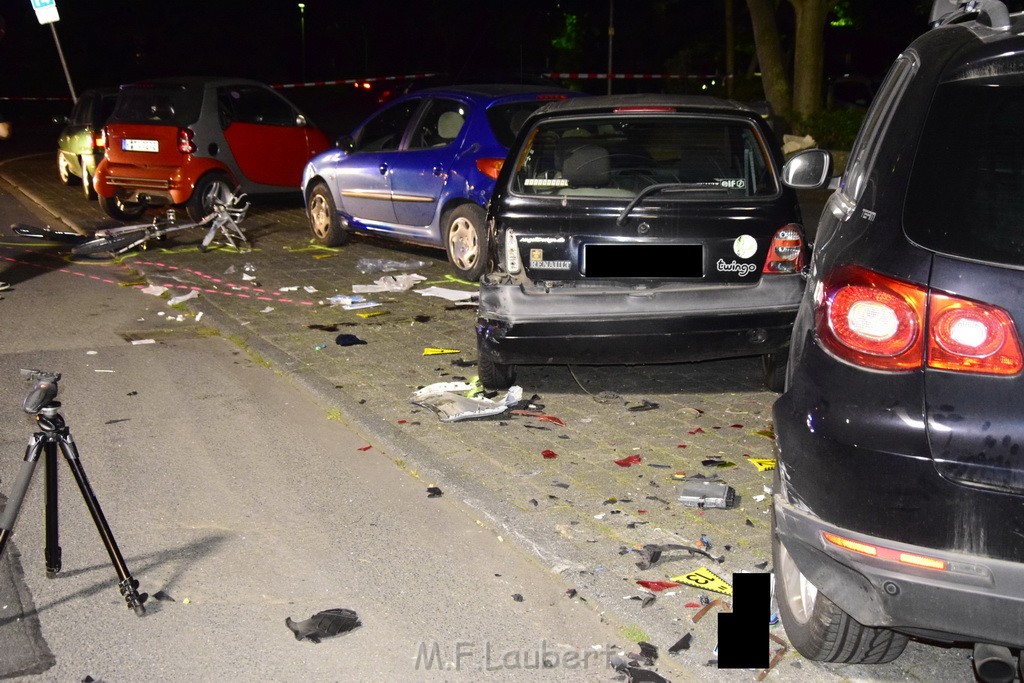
<point x="666" y="187"/>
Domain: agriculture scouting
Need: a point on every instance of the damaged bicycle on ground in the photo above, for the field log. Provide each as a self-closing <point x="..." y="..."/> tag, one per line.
<point x="228" y="212"/>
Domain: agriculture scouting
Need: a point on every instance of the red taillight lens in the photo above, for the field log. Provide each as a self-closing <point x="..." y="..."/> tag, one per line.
<point x="878" y="322"/>
<point x="489" y="167"/>
<point x="185" y="143"/>
<point x="971" y="337"/>
<point x="786" y="252"/>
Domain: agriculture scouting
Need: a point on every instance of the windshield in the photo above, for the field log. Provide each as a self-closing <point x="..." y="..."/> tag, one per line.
<point x="620" y="155"/>
<point x="164" y="105"/>
<point x="966" y="193"/>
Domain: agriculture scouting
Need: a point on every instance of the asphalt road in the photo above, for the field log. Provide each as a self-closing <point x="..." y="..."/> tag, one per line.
<point x="232" y="493"/>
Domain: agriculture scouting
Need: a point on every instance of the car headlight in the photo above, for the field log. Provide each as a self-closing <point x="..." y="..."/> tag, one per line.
<point x="512" y="263"/>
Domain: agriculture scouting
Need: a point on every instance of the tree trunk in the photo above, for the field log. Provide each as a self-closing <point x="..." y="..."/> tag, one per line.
<point x="808" y="62"/>
<point x="774" y="77"/>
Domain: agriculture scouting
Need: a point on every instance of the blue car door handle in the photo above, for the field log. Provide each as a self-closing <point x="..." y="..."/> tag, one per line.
<point x="438" y="170"/>
<point x="383" y="168"/>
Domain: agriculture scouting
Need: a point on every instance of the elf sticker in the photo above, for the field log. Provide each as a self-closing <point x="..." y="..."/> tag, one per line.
<point x="706" y="579"/>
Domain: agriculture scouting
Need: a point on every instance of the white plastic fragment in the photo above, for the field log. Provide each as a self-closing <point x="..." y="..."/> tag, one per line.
<point x="137" y="342"/>
<point x="155" y="290"/>
<point x="452" y="407"/>
<point x="192" y="294"/>
<point x="447" y="293"/>
<point x="439" y="388"/>
<point x="390" y="283"/>
<point x="268" y="309"/>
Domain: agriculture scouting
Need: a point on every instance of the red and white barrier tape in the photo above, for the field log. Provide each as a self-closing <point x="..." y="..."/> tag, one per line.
<point x="351" y="81"/>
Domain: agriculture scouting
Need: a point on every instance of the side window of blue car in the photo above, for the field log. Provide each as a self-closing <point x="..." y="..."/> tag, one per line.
<point x="384" y="131"/>
<point x="439" y="125"/>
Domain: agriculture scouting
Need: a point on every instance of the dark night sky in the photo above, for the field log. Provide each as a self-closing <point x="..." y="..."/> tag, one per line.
<point x="107" y="42"/>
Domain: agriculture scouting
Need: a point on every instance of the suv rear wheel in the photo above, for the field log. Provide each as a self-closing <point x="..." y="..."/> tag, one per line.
<point x="773" y="368"/>
<point x="323" y="218"/>
<point x="121" y="211"/>
<point x="465" y="240"/>
<point x="494" y="375"/>
<point x="818" y="628"/>
<point x="210" y="186"/>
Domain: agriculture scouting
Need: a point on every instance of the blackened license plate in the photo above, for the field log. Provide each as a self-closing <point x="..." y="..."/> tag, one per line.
<point x="643" y="260"/>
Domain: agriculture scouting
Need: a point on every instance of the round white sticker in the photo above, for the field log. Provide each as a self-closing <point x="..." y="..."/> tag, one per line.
<point x="745" y="246"/>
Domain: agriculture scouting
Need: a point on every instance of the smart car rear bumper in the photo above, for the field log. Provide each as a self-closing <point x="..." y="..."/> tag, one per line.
<point x="585" y="324"/>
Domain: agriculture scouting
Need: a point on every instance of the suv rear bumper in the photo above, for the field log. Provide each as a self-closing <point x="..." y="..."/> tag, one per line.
<point x="977" y="599"/>
<point x="625" y="325"/>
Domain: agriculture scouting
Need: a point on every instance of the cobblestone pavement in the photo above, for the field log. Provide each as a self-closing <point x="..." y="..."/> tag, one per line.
<point x="579" y="513"/>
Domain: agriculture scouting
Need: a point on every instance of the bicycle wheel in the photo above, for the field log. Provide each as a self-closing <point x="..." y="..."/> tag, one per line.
<point x="113" y="244"/>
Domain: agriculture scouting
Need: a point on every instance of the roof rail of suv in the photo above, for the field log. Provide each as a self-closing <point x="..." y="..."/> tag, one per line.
<point x="992" y="12"/>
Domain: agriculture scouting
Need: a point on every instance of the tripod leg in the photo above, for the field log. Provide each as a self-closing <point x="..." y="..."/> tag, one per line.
<point x="10" y="514"/>
<point x="52" y="549"/>
<point x="127" y="585"/>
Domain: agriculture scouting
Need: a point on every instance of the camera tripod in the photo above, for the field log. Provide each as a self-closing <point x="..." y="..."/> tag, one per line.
<point x="54" y="432"/>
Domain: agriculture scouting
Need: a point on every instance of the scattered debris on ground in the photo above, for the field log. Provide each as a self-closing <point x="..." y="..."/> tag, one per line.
<point x="326" y="624"/>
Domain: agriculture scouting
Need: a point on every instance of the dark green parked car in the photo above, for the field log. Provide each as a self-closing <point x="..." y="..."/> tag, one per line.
<point x="80" y="145"/>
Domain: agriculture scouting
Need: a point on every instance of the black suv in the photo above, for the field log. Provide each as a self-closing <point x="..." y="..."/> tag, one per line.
<point x="899" y="498"/>
<point x="640" y="229"/>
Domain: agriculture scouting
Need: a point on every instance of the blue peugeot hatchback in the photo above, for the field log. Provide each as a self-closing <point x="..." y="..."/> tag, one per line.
<point x="421" y="169"/>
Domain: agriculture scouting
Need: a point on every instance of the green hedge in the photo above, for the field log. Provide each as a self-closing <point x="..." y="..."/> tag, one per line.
<point x="834" y="129"/>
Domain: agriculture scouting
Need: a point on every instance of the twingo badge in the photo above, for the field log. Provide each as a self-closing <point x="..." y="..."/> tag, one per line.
<point x="745" y="246"/>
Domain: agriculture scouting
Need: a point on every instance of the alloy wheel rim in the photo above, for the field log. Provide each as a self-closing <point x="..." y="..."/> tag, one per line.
<point x="801" y="595"/>
<point x="462" y="244"/>
<point x="319" y="214"/>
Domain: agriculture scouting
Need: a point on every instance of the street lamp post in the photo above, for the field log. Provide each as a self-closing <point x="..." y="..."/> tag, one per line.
<point x="302" y="30"/>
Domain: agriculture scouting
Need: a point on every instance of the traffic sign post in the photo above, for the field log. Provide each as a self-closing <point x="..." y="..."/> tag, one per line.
<point x="46" y="13"/>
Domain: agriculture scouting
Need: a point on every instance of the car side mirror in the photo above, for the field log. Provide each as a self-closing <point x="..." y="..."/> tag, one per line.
<point x="300" y="121"/>
<point x="345" y="143"/>
<point x="809" y="169"/>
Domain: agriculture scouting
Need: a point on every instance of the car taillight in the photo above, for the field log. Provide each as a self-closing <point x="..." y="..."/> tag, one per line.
<point x="786" y="252"/>
<point x="489" y="167"/>
<point x="512" y="263"/>
<point x="96" y="141"/>
<point x="185" y="143"/>
<point x="879" y="322"/>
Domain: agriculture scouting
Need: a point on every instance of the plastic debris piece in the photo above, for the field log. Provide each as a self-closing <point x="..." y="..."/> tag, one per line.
<point x="139" y="342"/>
<point x="439" y="388"/>
<point x="309" y="289"/>
<point x="628" y="461"/>
<point x="716" y="462"/>
<point x="453" y="407"/>
<point x="543" y="417"/>
<point x="549" y="454"/>
<point x="364" y="448"/>
<point x="698" y="430"/>
<point x="174" y="300"/>
<point x="320" y="347"/>
<point x="162" y="597"/>
<point x="348" y="340"/>
<point x="648" y="652"/>
<point x="518" y="597"/>
<point x="635" y="674"/>
<point x="390" y="283"/>
<point x="372" y="314"/>
<point x="652" y="552"/>
<point x="681" y="644"/>
<point x="658" y="586"/>
<point x="154" y="290"/>
<point x="434" y="492"/>
<point x="342" y="300"/>
<point x="368" y="266"/>
<point x="434" y="351"/>
<point x="453" y="295"/>
<point x="268" y="309"/>
<point x="326" y="624"/>
<point x="323" y="328"/>
<point x="294" y="288"/>
<point x="707" y="494"/>
<point x="646" y="405"/>
<point x="776" y="658"/>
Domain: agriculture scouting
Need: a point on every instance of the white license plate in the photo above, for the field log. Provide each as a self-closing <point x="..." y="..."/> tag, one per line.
<point x="131" y="145"/>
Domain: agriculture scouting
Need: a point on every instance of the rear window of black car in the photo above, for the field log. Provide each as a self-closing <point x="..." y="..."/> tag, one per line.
<point x="966" y="192"/>
<point x="160" y="105"/>
<point x="618" y="155"/>
<point x="507" y="119"/>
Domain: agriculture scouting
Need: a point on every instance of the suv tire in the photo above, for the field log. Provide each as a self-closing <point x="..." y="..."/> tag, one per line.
<point x="773" y="368"/>
<point x="819" y="629"/>
<point x="121" y="211"/>
<point x="211" y="185"/>
<point x="323" y="218"/>
<point x="465" y="240"/>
